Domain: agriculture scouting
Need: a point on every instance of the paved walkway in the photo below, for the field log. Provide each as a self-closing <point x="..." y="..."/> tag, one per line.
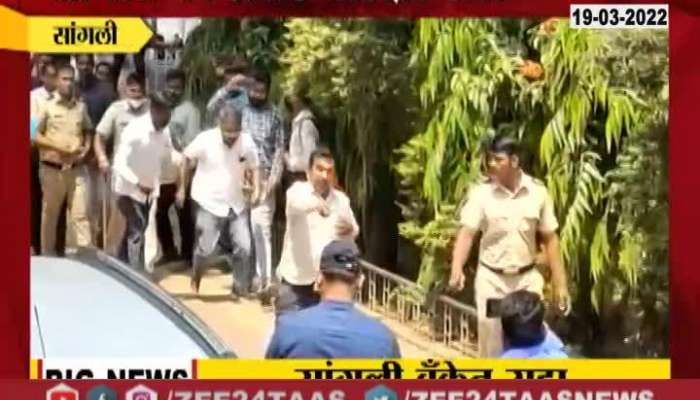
<point x="246" y="327"/>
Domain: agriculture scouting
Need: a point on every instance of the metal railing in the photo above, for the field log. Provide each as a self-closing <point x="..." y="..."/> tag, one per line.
<point x="440" y="319"/>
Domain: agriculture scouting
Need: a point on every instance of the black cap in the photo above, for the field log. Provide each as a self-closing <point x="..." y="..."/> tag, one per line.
<point x="341" y="257"/>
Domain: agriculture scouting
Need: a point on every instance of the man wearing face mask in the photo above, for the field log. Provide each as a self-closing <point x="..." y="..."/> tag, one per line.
<point x="63" y="139"/>
<point x="145" y="142"/>
<point x="109" y="132"/>
<point x="184" y="126"/>
<point x="264" y="124"/>
<point x="222" y="157"/>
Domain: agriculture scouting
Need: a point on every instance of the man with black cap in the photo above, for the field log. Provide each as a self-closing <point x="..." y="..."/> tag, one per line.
<point x="334" y="328"/>
<point x="524" y="331"/>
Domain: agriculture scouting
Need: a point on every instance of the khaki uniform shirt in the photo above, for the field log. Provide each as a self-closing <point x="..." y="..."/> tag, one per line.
<point x="64" y="123"/>
<point x="509" y="221"/>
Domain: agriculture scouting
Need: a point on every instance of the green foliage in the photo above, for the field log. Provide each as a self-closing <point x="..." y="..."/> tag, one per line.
<point x="351" y="69"/>
<point x="586" y="126"/>
<point x="258" y="39"/>
<point x="594" y="128"/>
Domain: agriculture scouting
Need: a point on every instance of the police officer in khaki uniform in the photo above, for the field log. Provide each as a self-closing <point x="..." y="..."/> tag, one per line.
<point x="63" y="140"/>
<point x="509" y="209"/>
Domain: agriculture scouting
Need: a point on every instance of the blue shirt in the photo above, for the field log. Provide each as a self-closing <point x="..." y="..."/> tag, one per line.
<point x="331" y="329"/>
<point x="550" y="348"/>
<point x="33" y="124"/>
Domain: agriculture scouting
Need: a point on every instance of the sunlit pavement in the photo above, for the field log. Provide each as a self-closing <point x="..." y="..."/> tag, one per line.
<point x="244" y="325"/>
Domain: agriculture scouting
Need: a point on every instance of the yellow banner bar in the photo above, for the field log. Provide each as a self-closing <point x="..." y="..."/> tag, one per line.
<point x="71" y="35"/>
<point x="421" y="369"/>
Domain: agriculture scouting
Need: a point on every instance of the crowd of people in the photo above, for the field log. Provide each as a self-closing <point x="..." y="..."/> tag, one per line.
<point x="113" y="143"/>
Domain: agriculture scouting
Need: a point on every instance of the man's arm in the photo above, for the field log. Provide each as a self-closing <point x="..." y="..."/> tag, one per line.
<point x="471" y="218"/>
<point x="122" y="153"/>
<point x="547" y="228"/>
<point x="551" y="245"/>
<point x="101" y="153"/>
<point x="347" y="224"/>
<point x="460" y="255"/>
<point x="301" y="202"/>
<point x="85" y="147"/>
<point x="215" y="104"/>
<point x="43" y="141"/>
<point x="189" y="160"/>
<point x="105" y="129"/>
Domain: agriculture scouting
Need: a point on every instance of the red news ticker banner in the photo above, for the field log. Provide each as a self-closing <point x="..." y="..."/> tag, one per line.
<point x="344" y="390"/>
<point x="684" y="141"/>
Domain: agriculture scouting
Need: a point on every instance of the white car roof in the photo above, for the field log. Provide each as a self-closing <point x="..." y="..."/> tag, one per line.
<point x="81" y="310"/>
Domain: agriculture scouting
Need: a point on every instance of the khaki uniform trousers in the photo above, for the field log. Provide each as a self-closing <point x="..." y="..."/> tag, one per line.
<point x="57" y="186"/>
<point x="488" y="285"/>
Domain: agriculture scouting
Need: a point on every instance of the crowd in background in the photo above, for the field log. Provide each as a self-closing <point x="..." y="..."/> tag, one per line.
<point x="118" y="146"/>
<point x="92" y="153"/>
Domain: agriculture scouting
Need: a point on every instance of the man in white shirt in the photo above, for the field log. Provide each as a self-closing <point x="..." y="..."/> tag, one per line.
<point x="110" y="129"/>
<point x="316" y="215"/>
<point x="145" y="142"/>
<point x="224" y="159"/>
<point x="39" y="96"/>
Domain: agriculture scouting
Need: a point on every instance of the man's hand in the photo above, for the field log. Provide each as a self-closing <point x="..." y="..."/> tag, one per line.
<point x="73" y="149"/>
<point x="457" y="279"/>
<point x="145" y="190"/>
<point x="180" y="198"/>
<point x="562" y="299"/>
<point x="237" y="82"/>
<point x="343" y="227"/>
<point x="78" y="155"/>
<point x="103" y="165"/>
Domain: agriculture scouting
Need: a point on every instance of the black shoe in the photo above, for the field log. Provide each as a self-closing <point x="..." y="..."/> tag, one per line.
<point x="167" y="259"/>
<point x="237" y="292"/>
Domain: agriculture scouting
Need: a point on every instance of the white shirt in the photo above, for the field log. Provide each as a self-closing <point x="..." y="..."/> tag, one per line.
<point x="139" y="157"/>
<point x="37" y="99"/>
<point x="217" y="183"/>
<point x="303" y="141"/>
<point x="308" y="233"/>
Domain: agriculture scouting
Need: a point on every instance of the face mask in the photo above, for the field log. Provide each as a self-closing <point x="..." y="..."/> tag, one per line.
<point x="135" y="103"/>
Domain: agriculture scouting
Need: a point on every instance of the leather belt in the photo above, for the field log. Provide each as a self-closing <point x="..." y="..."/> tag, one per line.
<point x="60" y="167"/>
<point x="509" y="271"/>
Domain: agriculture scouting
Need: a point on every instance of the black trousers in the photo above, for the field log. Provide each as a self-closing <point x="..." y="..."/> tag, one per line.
<point x="294" y="297"/>
<point x="165" y="230"/>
